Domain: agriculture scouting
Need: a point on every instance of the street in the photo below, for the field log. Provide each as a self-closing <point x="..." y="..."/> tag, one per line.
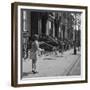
<point x="54" y="65"/>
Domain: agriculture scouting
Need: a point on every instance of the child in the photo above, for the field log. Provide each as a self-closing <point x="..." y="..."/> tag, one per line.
<point x="34" y="49"/>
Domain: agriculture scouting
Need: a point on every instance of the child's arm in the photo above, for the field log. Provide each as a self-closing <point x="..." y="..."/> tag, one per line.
<point x="38" y="48"/>
<point x="37" y="45"/>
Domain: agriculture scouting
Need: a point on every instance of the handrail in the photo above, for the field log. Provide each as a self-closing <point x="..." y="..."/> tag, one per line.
<point x="52" y="39"/>
<point x="48" y="44"/>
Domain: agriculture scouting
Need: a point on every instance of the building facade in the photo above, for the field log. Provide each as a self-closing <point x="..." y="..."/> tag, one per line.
<point x="62" y="25"/>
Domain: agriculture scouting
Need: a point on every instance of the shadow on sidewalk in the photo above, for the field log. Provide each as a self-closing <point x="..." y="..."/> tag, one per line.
<point x="27" y="73"/>
<point x="74" y="54"/>
<point x="49" y="59"/>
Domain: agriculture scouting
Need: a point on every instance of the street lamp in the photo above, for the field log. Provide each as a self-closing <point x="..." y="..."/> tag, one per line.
<point x="74" y="33"/>
<point x="75" y="50"/>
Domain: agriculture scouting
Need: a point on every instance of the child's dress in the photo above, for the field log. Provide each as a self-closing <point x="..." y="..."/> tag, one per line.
<point x="34" y="50"/>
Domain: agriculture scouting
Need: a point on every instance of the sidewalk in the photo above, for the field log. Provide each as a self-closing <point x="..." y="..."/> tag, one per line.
<point x="52" y="65"/>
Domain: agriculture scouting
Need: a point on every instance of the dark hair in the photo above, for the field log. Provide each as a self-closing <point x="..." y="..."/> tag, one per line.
<point x="35" y="37"/>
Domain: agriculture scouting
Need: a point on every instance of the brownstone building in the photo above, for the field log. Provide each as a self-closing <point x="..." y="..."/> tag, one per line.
<point x="62" y="25"/>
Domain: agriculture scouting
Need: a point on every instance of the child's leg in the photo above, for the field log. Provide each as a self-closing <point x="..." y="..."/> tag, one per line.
<point x="34" y="65"/>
